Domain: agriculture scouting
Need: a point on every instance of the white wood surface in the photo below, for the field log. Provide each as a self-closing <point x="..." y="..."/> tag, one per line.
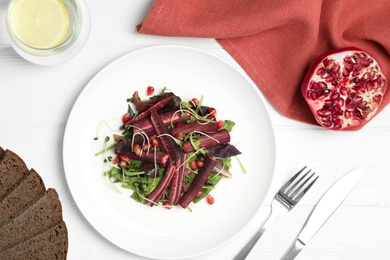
<point x="35" y="102"/>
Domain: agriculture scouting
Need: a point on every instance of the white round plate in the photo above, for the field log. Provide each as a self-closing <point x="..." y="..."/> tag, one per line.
<point x="156" y="232"/>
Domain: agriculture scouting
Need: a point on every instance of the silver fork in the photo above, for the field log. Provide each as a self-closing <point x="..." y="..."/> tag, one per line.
<point x="287" y="197"/>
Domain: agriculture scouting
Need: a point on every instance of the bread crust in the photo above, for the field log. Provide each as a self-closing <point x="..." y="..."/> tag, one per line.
<point x="12" y="170"/>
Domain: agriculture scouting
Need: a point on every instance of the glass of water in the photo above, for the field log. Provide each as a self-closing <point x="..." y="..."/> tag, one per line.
<point x="43" y="27"/>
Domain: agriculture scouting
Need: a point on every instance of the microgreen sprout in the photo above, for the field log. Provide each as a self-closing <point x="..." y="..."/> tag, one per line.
<point x="177" y="141"/>
<point x="241" y="164"/>
<point x="98" y="129"/>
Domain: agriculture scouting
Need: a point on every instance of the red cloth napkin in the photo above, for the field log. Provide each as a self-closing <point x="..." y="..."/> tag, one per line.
<point x="275" y="41"/>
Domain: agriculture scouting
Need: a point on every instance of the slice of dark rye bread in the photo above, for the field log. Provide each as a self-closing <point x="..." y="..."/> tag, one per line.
<point x="12" y="170"/>
<point x="31" y="223"/>
<point x="50" y="244"/>
<point x="21" y="196"/>
<point x="43" y="213"/>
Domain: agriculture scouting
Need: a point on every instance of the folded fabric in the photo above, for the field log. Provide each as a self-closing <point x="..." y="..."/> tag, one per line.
<point x="275" y="41"/>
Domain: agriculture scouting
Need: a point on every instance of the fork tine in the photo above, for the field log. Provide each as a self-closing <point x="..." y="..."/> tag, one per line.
<point x="288" y="183"/>
<point x="303" y="192"/>
<point x="301" y="182"/>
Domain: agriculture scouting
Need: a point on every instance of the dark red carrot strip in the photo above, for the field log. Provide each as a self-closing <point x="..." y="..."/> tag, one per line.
<point x="167" y="118"/>
<point x="177" y="180"/>
<point x="198" y="182"/>
<point x="167" y="142"/>
<point x="182" y="172"/>
<point x="204" y="127"/>
<point x="219" y="137"/>
<point x="158" y="192"/>
<point x="173" y="190"/>
<point x="160" y="157"/>
<point x="147" y="112"/>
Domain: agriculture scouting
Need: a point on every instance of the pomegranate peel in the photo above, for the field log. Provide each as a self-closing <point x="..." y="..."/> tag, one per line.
<point x="344" y="88"/>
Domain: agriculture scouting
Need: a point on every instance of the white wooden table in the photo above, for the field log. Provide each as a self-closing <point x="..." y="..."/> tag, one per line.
<point x="35" y="102"/>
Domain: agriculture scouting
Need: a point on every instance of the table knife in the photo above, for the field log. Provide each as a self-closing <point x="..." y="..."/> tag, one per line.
<point x="325" y="207"/>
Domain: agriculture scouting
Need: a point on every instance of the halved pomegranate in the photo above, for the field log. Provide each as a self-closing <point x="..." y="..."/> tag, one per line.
<point x="344" y="88"/>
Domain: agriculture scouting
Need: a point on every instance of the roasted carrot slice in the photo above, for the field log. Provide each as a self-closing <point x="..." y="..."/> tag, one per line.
<point x="198" y="182"/>
<point x="177" y="180"/>
<point x="164" y="136"/>
<point x="158" y="192"/>
<point x="210" y="140"/>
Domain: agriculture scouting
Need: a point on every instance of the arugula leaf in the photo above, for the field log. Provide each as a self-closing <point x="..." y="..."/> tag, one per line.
<point x="134" y="165"/>
<point x="141" y="186"/>
<point x="228" y="125"/>
<point x="227" y="162"/>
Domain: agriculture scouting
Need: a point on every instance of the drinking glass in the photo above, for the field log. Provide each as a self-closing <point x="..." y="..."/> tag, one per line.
<point x="43" y="27"/>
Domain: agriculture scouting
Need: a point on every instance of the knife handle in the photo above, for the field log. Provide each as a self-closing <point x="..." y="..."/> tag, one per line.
<point x="294" y="250"/>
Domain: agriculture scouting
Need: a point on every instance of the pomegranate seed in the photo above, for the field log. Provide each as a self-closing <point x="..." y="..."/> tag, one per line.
<point x="193" y="165"/>
<point x="126" y="117"/>
<point x="179" y="136"/>
<point x="164" y="159"/>
<point x="124" y="157"/>
<point x="153" y="140"/>
<point x="145" y="147"/>
<point x="220" y="123"/>
<point x="199" y="193"/>
<point x="199" y="163"/>
<point x="210" y="199"/>
<point x="137" y="149"/>
<point x="116" y="160"/>
<point x="213" y="112"/>
<point x="156" y="143"/>
<point x="167" y="205"/>
<point x="150" y="91"/>
<point x="194" y="101"/>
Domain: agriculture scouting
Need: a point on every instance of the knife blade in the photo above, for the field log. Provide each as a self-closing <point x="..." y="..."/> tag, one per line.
<point x="325" y="207"/>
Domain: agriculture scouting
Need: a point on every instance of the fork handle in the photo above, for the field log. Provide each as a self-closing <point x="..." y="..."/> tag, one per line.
<point x="248" y="247"/>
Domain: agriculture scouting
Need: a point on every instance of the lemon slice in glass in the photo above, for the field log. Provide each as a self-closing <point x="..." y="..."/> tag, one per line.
<point x="40" y="24"/>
